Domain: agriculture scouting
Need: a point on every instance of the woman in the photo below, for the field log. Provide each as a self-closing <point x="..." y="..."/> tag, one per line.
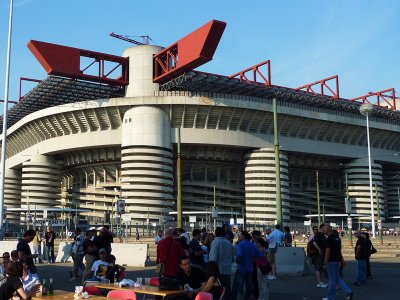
<point x="213" y="284"/>
<point x="4" y="265"/>
<point x="207" y="246"/>
<point x="13" y="284"/>
<point x="263" y="288"/>
<point x="29" y="280"/>
<point x="287" y="237"/>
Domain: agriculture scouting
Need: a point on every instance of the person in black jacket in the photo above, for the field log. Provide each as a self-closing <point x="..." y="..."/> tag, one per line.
<point x="49" y="237"/>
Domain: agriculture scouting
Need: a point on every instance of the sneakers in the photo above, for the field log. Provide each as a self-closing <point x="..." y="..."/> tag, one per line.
<point x="322" y="285"/>
<point x="350" y="296"/>
<point x="271" y="277"/>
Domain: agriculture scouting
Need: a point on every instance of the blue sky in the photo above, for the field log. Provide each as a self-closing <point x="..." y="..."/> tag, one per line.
<point x="305" y="40"/>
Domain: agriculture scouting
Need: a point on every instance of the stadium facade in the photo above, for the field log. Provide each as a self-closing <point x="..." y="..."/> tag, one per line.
<point x="83" y="140"/>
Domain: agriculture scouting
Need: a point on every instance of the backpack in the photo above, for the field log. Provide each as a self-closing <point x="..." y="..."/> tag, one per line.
<point x="311" y="250"/>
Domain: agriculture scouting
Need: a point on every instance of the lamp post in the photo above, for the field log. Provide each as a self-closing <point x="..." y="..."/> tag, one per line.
<point x="366" y="110"/>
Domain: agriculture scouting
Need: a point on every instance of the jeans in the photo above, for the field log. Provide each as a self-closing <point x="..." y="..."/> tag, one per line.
<point x="263" y="288"/>
<point x="333" y="274"/>
<point x="36" y="250"/>
<point x="238" y="282"/>
<point x="50" y="254"/>
<point x="361" y="271"/>
<point x="78" y="264"/>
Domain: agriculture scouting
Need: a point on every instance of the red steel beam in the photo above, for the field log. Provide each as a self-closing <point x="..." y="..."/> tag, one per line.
<point x="308" y="88"/>
<point x="190" y="52"/>
<point x="65" y="61"/>
<point x="385" y="98"/>
<point x="255" y="70"/>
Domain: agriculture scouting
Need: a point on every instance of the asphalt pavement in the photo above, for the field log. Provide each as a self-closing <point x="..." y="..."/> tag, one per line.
<point x="384" y="285"/>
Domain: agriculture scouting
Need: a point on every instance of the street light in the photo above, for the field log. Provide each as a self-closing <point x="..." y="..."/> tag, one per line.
<point x="367" y="109"/>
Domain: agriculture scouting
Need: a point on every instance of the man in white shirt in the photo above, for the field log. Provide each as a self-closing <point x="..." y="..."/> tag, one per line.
<point x="99" y="267"/>
<point x="275" y="240"/>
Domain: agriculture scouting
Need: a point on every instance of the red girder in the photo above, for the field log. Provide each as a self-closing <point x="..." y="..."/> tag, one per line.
<point x="255" y="71"/>
<point x="65" y="61"/>
<point x="188" y="53"/>
<point x="308" y="88"/>
<point x="382" y="99"/>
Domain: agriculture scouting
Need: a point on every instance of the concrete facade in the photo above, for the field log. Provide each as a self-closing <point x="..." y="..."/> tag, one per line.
<point x="90" y="153"/>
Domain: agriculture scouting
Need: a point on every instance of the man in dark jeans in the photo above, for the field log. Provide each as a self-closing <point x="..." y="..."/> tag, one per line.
<point x="24" y="251"/>
<point x="49" y="237"/>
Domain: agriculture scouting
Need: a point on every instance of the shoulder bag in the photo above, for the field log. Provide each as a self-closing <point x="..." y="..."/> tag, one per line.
<point x="160" y="268"/>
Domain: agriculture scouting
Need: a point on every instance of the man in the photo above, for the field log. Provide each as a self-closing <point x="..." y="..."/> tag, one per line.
<point x="332" y="261"/>
<point x="189" y="275"/>
<point x="246" y="253"/>
<point x="274" y="240"/>
<point x="361" y="252"/>
<point x="184" y="236"/>
<point x="99" y="268"/>
<point x="196" y="255"/>
<point x="319" y="242"/>
<point x="90" y="251"/>
<point x="169" y="251"/>
<point x="159" y="237"/>
<point x="228" y="233"/>
<point x="78" y="253"/>
<point x="49" y="237"/>
<point x="14" y="255"/>
<point x="221" y="252"/>
<point x="24" y="251"/>
<point x="104" y="239"/>
<point x="36" y="246"/>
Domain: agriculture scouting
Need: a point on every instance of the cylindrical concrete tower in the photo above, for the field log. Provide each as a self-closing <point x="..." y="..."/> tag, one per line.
<point x="147" y="163"/>
<point x="41" y="181"/>
<point x="141" y="70"/>
<point x="359" y="189"/>
<point x="12" y="193"/>
<point x="260" y="186"/>
<point x="392" y="193"/>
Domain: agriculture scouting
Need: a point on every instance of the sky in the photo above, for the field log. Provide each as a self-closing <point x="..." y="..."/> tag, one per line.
<point x="306" y="40"/>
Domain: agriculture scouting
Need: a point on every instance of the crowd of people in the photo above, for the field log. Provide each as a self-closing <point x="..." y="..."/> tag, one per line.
<point x="206" y="261"/>
<point x="325" y="251"/>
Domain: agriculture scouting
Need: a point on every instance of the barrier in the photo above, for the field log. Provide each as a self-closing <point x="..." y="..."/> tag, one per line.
<point x="8" y="246"/>
<point x="290" y="261"/>
<point x="134" y="255"/>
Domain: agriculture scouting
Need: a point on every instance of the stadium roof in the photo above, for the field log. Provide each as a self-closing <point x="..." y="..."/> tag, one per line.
<point x="55" y="91"/>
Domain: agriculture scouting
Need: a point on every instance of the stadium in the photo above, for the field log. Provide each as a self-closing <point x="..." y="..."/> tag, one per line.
<point x="101" y="128"/>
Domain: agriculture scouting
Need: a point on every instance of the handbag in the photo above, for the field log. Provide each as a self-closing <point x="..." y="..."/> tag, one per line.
<point x="160" y="268"/>
<point x="373" y="250"/>
<point x="169" y="283"/>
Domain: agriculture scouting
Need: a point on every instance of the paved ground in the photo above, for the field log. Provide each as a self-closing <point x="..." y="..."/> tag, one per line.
<point x="384" y="285"/>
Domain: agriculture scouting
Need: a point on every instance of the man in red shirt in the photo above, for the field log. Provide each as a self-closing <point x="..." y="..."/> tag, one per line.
<point x="169" y="252"/>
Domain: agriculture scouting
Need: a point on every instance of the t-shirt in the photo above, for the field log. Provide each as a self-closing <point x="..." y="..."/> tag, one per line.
<point x="100" y="269"/>
<point x="49" y="237"/>
<point x="320" y="239"/>
<point x="86" y="244"/>
<point x="194" y="280"/>
<point x="246" y="253"/>
<point x="23" y="246"/>
<point x="30" y="281"/>
<point x="334" y="243"/>
<point x="11" y="285"/>
<point x="169" y="252"/>
<point x="195" y="246"/>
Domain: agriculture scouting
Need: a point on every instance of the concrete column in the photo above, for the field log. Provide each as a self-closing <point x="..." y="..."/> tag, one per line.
<point x="41" y="182"/>
<point x="147" y="163"/>
<point x="141" y="70"/>
<point x="359" y="191"/>
<point x="260" y="187"/>
<point x="392" y="190"/>
<point x="12" y="193"/>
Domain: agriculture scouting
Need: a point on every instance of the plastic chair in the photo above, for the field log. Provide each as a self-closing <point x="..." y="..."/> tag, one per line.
<point x="154" y="281"/>
<point x="123" y="295"/>
<point x="204" y="296"/>
<point x="92" y="290"/>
